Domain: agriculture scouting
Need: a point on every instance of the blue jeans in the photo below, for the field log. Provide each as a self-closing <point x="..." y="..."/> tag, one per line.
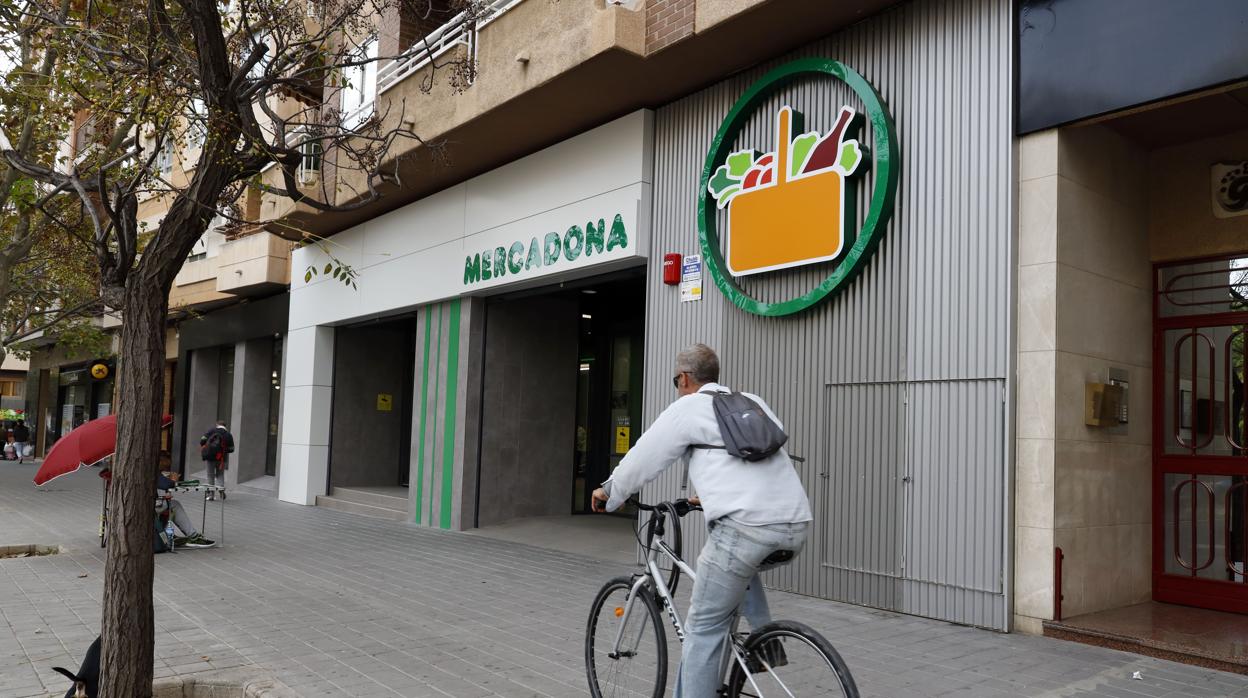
<point x="727" y="578"/>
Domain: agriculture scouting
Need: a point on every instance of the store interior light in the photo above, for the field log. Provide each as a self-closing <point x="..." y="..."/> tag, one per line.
<point x="586" y="316"/>
<point x="590" y="291"/>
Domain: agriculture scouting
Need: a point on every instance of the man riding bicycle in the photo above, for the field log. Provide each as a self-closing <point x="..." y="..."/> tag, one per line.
<point x="753" y="509"/>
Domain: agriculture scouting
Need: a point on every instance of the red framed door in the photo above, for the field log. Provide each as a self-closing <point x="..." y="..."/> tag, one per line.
<point x="1200" y="433"/>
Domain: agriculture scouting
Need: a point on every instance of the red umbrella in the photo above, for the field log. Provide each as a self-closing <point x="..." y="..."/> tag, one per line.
<point x="85" y="446"/>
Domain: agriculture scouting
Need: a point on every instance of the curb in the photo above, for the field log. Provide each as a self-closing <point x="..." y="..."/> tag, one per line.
<point x="228" y="683"/>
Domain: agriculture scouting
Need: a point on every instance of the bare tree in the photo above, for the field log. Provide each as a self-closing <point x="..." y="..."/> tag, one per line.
<point x="240" y="93"/>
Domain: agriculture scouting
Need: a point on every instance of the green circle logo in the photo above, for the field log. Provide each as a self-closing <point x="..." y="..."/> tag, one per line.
<point x="795" y="205"/>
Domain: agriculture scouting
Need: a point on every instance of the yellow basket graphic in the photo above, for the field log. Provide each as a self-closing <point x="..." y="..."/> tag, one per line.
<point x="792" y="221"/>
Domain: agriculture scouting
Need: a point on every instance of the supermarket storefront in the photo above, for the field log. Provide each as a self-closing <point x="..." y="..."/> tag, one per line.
<point x="465" y="378"/>
<point x="840" y="231"/>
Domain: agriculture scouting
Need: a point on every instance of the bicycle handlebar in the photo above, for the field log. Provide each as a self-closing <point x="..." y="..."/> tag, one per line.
<point x="682" y="506"/>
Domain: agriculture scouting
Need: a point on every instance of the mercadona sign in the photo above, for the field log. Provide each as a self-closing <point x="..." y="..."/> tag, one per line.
<point x="550" y="250"/>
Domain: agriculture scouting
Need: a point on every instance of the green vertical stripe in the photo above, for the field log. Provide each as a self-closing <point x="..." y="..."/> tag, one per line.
<point x="452" y="393"/>
<point x="437" y="386"/>
<point x="424" y="404"/>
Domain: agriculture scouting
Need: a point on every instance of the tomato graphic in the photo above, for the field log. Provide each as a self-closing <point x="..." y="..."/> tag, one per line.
<point x="759" y="173"/>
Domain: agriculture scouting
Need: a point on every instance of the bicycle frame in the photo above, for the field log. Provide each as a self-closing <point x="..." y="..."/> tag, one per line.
<point x="655" y="576"/>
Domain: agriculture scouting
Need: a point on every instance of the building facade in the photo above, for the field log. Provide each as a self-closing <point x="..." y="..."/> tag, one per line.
<point x="512" y="334"/>
<point x="988" y="275"/>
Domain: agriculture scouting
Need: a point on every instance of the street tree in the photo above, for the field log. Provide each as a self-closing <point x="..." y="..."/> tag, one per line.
<point x="48" y="279"/>
<point x="194" y="105"/>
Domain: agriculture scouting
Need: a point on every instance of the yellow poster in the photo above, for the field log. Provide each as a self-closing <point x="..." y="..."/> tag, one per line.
<point x="385" y="402"/>
<point x="621" y="440"/>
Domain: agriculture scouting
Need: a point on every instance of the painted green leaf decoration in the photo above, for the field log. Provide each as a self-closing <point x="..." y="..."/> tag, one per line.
<point x="800" y="150"/>
<point x="328" y="267"/>
<point x="307" y="277"/>
<point x="850" y="157"/>
<point x="722" y="181"/>
<point x="726" y="195"/>
<point x="739" y="162"/>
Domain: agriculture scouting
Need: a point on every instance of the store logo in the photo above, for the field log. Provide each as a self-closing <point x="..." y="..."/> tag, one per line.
<point x="553" y="249"/>
<point x="794" y="206"/>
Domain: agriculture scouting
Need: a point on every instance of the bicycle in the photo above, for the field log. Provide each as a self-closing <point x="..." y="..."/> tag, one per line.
<point x="619" y="658"/>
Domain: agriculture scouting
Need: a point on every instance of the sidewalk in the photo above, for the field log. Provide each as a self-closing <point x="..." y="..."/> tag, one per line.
<point x="338" y="605"/>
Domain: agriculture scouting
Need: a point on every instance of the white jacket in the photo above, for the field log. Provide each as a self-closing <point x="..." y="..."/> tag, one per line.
<point x="758" y="493"/>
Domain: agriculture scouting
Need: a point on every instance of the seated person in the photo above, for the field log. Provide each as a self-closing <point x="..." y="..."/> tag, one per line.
<point x="191" y="537"/>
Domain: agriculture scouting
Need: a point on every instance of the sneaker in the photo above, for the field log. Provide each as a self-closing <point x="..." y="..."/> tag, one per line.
<point x="771" y="652"/>
<point x="198" y="541"/>
<point x="180" y="541"/>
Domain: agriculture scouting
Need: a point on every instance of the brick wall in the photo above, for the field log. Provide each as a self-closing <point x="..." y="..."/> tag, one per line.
<point x="667" y="21"/>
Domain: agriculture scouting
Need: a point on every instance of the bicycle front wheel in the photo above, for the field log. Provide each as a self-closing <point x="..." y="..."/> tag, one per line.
<point x="638" y="666"/>
<point x="790" y="659"/>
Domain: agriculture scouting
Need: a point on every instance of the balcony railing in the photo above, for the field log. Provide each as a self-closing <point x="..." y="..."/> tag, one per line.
<point x="460" y="30"/>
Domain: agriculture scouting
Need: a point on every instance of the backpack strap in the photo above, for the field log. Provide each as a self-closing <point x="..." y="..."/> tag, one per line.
<point x="709" y="447"/>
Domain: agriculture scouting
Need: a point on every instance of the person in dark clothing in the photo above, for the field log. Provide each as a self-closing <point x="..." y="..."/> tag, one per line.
<point x="21" y="437"/>
<point x="215" y="446"/>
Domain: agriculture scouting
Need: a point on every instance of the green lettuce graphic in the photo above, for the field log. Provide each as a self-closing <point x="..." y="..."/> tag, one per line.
<point x="850" y="156"/>
<point x="799" y="152"/>
<point x="726" y="182"/>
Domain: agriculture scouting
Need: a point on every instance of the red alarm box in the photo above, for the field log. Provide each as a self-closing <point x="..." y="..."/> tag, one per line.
<point x="671" y="268"/>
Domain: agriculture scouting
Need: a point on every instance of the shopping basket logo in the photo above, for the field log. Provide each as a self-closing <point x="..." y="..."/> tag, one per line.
<point x="795" y="205"/>
<point x="787" y="208"/>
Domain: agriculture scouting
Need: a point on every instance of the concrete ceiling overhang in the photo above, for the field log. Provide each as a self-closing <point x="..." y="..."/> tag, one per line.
<point x="605" y="87"/>
<point x="1206" y="114"/>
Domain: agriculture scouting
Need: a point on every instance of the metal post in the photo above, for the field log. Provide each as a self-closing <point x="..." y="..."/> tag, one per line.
<point x="1057" y="583"/>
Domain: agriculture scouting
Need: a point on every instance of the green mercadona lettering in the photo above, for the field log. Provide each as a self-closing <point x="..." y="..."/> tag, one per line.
<point x="501" y="261"/>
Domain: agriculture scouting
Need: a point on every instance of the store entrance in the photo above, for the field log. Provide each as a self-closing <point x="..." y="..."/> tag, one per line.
<point x="608" y="385"/>
<point x="561" y="398"/>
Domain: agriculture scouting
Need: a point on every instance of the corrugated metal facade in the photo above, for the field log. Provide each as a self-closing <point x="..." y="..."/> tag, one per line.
<point x="894" y="390"/>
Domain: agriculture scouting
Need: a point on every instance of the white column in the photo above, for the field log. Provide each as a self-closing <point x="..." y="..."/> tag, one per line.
<point x="304" y="464"/>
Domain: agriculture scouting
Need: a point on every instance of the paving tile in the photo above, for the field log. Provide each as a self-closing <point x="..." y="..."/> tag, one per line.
<point x="338" y="605"/>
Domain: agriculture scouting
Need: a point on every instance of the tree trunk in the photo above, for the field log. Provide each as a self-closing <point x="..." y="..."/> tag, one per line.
<point x="128" y="629"/>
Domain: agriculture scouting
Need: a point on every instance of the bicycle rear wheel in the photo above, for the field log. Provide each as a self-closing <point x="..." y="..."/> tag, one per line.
<point x="640" y="666"/>
<point x="805" y="664"/>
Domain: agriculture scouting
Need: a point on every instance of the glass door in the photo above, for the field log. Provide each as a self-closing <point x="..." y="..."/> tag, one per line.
<point x="1200" y="487"/>
<point x="608" y="389"/>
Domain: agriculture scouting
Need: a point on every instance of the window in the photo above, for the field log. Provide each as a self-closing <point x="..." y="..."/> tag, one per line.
<point x="310" y="166"/>
<point x="258" y="70"/>
<point x="85" y="134"/>
<point x="361" y="88"/>
<point x="164" y="159"/>
<point x="197" y="128"/>
<point x="199" y="251"/>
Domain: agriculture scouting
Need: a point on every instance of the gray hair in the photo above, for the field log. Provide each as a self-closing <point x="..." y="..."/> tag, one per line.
<point x="700" y="362"/>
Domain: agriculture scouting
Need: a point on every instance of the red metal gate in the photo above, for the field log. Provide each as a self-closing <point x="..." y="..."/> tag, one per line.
<point x="1200" y="433"/>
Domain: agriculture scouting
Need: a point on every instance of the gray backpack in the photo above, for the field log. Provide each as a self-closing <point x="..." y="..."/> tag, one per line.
<point x="746" y="429"/>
